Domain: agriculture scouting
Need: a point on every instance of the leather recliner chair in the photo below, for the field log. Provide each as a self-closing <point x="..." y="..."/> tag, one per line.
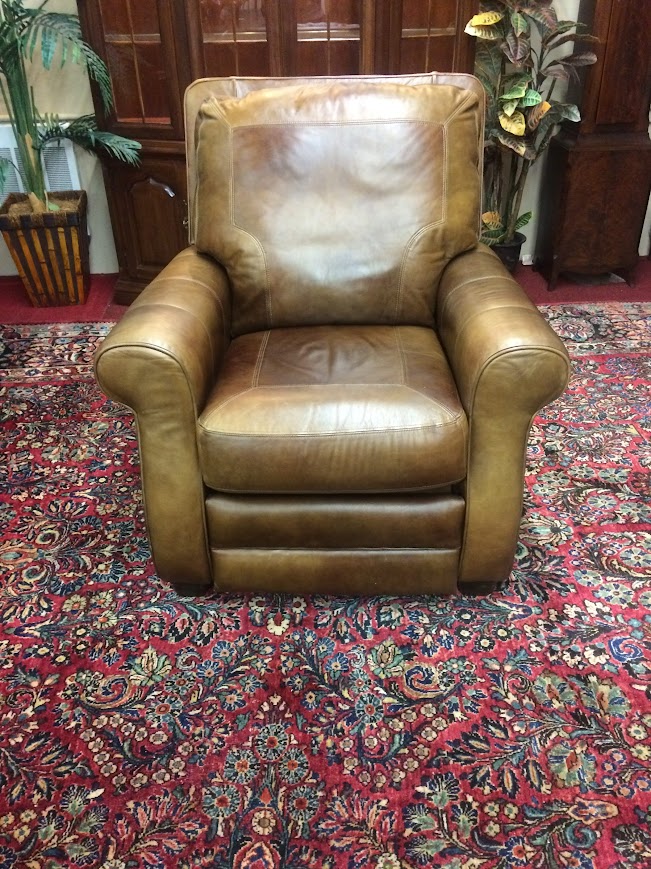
<point x="334" y="384"/>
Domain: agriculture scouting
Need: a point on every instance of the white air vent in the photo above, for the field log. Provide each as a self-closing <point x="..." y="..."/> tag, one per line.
<point x="61" y="172"/>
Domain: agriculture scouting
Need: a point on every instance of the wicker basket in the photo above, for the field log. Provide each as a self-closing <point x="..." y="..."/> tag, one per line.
<point x="50" y="250"/>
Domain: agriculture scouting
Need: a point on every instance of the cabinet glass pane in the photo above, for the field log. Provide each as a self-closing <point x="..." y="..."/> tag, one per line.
<point x="428" y="35"/>
<point x="234" y="37"/>
<point x="135" y="61"/>
<point x="328" y="33"/>
<point x="424" y="14"/>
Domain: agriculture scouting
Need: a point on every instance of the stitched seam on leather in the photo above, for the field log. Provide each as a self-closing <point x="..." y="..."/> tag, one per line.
<point x="411" y="242"/>
<point x="405" y="385"/>
<point x="216" y="296"/>
<point x="351" y="123"/>
<point x="267" y="290"/>
<point x="260" y="360"/>
<point x="401" y="356"/>
<point x="334" y="434"/>
<point x="254" y="238"/>
<point x="462" y="105"/>
<point x="204" y="425"/>
<point x="254" y="385"/>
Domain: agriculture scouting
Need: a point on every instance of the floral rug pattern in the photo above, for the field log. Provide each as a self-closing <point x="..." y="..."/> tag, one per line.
<point x="140" y="729"/>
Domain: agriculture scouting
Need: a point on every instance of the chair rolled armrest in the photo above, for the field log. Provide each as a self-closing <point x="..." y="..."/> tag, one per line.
<point x="508" y="363"/>
<point x="161" y="360"/>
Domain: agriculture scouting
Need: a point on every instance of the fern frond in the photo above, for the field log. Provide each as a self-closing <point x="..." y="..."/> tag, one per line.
<point x="83" y="132"/>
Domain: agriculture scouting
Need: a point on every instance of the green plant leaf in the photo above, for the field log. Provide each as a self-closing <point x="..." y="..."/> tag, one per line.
<point x="4" y="169"/>
<point x="521" y="146"/>
<point x="517" y="48"/>
<point x="568" y="111"/>
<point x="561" y="32"/>
<point x="517" y="90"/>
<point x="557" y="70"/>
<point x="541" y="14"/>
<point x="531" y="98"/>
<point x="523" y="220"/>
<point x="571" y="37"/>
<point x="55" y="29"/>
<point x="519" y="24"/>
<point x="490" y="238"/>
<point x="83" y="132"/>
<point x="580" y="58"/>
<point x="509" y="107"/>
<point x="488" y="66"/>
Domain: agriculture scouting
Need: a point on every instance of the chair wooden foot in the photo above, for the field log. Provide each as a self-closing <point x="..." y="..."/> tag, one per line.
<point x="478" y="589"/>
<point x="191" y="589"/>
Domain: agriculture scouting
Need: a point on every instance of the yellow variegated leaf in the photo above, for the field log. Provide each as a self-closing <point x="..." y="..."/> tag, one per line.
<point x="515" y="124"/>
<point x="537" y="113"/>
<point x="486" y="19"/>
<point x="492" y="220"/>
<point x="509" y="107"/>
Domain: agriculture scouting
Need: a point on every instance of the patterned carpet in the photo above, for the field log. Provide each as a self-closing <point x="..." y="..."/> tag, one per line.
<point x="138" y="729"/>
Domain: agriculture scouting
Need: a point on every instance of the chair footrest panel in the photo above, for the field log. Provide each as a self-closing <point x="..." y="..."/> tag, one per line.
<point x="337" y="572"/>
<point x="310" y="522"/>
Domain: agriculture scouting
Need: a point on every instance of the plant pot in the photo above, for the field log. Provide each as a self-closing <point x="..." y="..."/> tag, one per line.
<point x="50" y="250"/>
<point x="509" y="252"/>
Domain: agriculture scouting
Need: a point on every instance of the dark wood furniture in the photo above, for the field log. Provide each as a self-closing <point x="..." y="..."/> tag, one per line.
<point x="597" y="179"/>
<point x="155" y="48"/>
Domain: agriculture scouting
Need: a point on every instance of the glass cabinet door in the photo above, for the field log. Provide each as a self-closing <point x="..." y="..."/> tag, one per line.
<point x="431" y="35"/>
<point x="328" y="37"/>
<point x="234" y="37"/>
<point x="276" y="37"/>
<point x="142" y="72"/>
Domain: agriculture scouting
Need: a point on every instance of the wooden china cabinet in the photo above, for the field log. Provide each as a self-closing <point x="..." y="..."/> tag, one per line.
<point x="598" y="175"/>
<point x="155" y="48"/>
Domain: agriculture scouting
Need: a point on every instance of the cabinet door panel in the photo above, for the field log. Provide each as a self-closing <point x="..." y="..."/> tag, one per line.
<point x="138" y="46"/>
<point x="328" y="35"/>
<point x="234" y="38"/>
<point x="149" y="211"/>
<point x="420" y="54"/>
<point x="248" y="58"/>
<point x="427" y="14"/>
<point x="322" y="57"/>
<point x="425" y="35"/>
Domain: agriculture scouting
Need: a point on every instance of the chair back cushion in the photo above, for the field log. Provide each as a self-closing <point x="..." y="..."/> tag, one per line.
<point x="337" y="203"/>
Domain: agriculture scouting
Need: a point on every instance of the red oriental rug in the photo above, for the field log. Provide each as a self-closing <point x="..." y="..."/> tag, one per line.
<point x="138" y="729"/>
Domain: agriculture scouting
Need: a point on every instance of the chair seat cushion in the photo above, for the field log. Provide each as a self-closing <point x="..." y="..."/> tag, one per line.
<point x="321" y="409"/>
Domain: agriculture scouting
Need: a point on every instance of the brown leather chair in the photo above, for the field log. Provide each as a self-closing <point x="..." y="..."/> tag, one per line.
<point x="334" y="384"/>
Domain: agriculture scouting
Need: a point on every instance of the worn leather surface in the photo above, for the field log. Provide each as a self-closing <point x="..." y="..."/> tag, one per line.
<point x="235" y="87"/>
<point x="324" y="202"/>
<point x="330" y="455"/>
<point x="161" y="360"/>
<point x="341" y="572"/>
<point x="508" y="364"/>
<point x="333" y="409"/>
<point x="341" y="522"/>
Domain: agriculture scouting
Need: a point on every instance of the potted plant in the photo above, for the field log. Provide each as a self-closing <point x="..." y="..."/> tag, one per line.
<point x="520" y="60"/>
<point x="46" y="233"/>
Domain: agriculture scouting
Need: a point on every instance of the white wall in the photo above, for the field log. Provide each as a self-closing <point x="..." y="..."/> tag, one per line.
<point x="66" y="91"/>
